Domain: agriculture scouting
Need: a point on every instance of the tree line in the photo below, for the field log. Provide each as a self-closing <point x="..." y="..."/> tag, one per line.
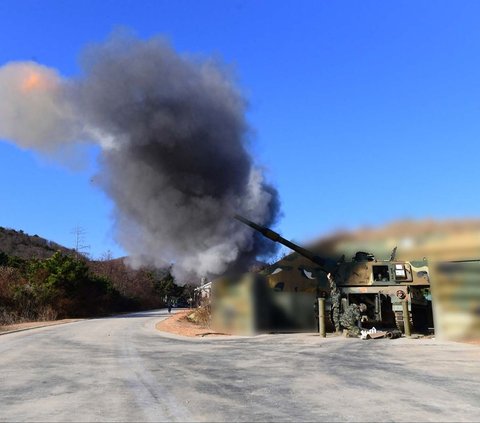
<point x="70" y="286"/>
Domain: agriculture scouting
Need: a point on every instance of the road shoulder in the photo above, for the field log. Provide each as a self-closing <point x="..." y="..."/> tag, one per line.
<point x="20" y="327"/>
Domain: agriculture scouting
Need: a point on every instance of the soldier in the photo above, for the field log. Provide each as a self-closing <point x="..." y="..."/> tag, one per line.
<point x="335" y="295"/>
<point x="351" y="318"/>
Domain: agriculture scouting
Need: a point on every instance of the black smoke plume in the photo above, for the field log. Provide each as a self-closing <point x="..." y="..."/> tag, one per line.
<point x="174" y="151"/>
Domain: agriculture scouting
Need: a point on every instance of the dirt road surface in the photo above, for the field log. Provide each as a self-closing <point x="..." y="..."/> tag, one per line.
<point x="122" y="369"/>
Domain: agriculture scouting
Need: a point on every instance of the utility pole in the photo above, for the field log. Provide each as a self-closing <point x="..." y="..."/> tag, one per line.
<point x="79" y="240"/>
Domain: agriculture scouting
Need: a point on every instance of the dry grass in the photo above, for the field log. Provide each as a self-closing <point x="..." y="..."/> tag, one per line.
<point x="202" y="316"/>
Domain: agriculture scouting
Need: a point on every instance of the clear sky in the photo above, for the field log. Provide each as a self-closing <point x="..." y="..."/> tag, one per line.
<point x="363" y="112"/>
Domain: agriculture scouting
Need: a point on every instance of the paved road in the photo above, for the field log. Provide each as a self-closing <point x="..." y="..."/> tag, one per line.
<point x="122" y="369"/>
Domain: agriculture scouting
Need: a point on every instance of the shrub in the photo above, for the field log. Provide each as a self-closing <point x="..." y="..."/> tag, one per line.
<point x="201" y="316"/>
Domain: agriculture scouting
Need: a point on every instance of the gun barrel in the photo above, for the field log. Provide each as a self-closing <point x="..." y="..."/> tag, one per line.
<point x="326" y="264"/>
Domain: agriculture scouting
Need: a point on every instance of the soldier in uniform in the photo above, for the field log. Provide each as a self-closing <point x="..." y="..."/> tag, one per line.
<point x="351" y="318"/>
<point x="335" y="295"/>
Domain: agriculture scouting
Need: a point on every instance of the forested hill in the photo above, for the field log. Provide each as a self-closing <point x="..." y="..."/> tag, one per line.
<point x="42" y="280"/>
<point x="19" y="244"/>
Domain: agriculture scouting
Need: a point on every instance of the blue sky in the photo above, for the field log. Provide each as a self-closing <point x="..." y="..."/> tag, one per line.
<point x="362" y="112"/>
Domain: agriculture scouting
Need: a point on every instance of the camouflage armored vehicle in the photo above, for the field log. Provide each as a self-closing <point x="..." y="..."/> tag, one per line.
<point x="380" y="284"/>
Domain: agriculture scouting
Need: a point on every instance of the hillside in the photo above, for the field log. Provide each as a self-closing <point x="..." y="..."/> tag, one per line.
<point x="20" y="244"/>
<point x="42" y="280"/>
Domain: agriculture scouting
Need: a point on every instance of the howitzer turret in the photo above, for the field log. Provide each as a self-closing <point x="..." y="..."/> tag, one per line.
<point x="326" y="264"/>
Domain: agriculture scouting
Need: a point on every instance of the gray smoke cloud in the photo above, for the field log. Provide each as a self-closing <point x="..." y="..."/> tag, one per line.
<point x="175" y="157"/>
<point x="34" y="109"/>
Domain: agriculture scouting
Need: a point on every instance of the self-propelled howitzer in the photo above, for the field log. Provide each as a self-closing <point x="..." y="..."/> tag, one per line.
<point x="380" y="284"/>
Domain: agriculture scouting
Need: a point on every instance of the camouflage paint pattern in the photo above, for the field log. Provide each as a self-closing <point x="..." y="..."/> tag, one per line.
<point x="456" y="295"/>
<point x="246" y="305"/>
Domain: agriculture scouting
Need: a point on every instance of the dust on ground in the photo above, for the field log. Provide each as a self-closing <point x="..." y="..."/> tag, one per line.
<point x="178" y="324"/>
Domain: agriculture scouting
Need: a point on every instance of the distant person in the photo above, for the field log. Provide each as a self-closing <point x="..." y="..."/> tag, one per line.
<point x="169" y="308"/>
